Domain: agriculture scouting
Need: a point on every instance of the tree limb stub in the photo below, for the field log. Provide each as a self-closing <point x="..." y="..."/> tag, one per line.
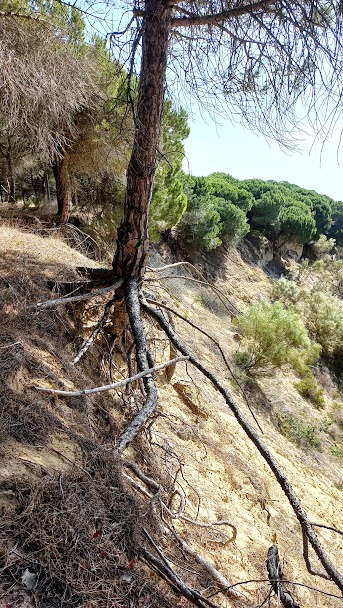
<point x="109" y="387"/>
<point x="275" y="577"/>
<point x="259" y="444"/>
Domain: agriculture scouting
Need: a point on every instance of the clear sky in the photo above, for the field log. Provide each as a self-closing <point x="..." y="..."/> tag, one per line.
<point x="243" y="154"/>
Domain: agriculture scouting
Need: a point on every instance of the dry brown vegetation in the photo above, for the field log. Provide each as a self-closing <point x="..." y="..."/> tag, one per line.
<point x="73" y="515"/>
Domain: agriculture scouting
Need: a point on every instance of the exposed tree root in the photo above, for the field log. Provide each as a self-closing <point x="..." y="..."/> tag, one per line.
<point x="262" y="448"/>
<point x="224" y="585"/>
<point x="164" y="570"/>
<point x="88" y="343"/>
<point x="217" y="344"/>
<point x="114" y="385"/>
<point x="306" y="556"/>
<point x="79" y="298"/>
<point x="275" y="577"/>
<point x="143" y="363"/>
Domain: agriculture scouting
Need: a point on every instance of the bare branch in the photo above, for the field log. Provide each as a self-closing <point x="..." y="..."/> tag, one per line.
<point x="218" y="18"/>
<point x="110" y="387"/>
<point x="80" y="298"/>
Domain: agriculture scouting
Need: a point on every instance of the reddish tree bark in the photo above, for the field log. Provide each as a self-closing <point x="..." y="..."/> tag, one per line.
<point x="133" y="237"/>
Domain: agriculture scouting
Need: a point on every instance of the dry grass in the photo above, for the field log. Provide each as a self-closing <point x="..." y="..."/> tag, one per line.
<point x="78" y="533"/>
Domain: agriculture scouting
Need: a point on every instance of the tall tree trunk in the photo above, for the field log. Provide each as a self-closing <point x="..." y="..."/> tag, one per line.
<point x="60" y="169"/>
<point x="133" y="237"/>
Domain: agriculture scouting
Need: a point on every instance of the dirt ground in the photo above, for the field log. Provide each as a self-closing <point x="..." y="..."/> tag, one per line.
<point x="194" y="447"/>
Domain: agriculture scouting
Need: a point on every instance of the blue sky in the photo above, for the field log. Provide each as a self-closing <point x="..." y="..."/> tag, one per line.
<point x="243" y="154"/>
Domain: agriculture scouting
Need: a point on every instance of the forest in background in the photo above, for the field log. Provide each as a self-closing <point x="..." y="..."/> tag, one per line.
<point x="66" y="132"/>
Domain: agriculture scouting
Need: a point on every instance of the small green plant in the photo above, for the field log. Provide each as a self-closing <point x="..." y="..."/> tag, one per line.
<point x="274" y="336"/>
<point x="298" y="432"/>
<point x="310" y="390"/>
<point x="336" y="452"/>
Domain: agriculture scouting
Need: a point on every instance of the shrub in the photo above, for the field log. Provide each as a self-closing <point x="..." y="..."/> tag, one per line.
<point x="200" y="226"/>
<point x="298" y="431"/>
<point x="310" y="389"/>
<point x="286" y="291"/>
<point x="274" y="336"/>
<point x="321" y="312"/>
<point x="324" y="314"/>
<point x="323" y="246"/>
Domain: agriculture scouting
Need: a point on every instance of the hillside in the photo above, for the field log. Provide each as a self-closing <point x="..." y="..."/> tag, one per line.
<point x="75" y="517"/>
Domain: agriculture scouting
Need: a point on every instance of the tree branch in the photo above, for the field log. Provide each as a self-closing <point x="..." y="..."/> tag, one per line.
<point x="218" y="18"/>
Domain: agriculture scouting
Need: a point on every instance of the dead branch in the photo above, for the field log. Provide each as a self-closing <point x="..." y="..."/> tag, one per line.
<point x="88" y="343"/>
<point x="275" y="577"/>
<point x="218" y="292"/>
<point x="194" y="269"/>
<point x="162" y="268"/>
<point x="81" y="297"/>
<point x="259" y="444"/>
<point x="109" y="387"/>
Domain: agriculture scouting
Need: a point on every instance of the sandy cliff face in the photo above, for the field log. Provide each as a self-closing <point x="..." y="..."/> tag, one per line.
<point x="226" y="502"/>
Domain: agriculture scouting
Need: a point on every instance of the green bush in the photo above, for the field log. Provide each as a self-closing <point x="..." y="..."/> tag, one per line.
<point x="310" y="389"/>
<point x="274" y="336"/>
<point x="200" y="226"/>
<point x="299" y="432"/>
<point x="322" y="313"/>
